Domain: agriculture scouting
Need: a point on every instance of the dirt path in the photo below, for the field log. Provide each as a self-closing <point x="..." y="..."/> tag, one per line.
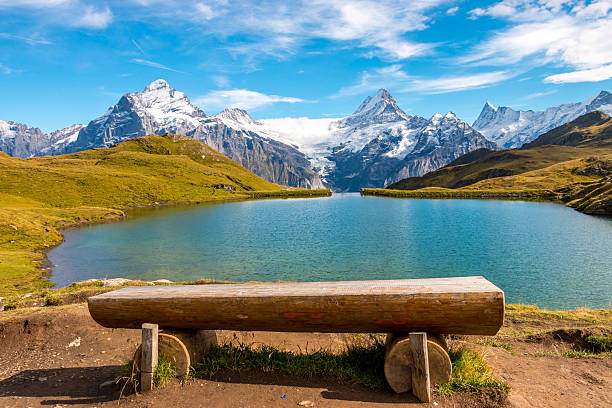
<point x="60" y="357"/>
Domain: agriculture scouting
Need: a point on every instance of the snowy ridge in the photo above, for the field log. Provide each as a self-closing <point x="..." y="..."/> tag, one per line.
<point x="510" y="128"/>
<point x="377" y="144"/>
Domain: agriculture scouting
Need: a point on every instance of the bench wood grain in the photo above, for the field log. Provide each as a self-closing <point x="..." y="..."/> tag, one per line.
<point x="464" y="305"/>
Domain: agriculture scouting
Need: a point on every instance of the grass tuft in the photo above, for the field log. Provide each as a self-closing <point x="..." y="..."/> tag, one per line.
<point x="164" y="371"/>
<point x="358" y="364"/>
<point x="494" y="343"/>
<point x="470" y="374"/>
<point x="362" y="365"/>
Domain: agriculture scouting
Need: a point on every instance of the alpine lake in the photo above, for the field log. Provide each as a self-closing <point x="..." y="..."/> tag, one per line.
<point x="538" y="253"/>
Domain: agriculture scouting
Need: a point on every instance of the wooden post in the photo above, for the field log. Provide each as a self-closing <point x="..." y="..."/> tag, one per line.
<point x="148" y="359"/>
<point x="420" y="366"/>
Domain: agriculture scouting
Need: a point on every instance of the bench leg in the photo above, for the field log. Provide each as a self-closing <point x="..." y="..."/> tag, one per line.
<point x="399" y="361"/>
<point x="420" y="366"/>
<point x="148" y="359"/>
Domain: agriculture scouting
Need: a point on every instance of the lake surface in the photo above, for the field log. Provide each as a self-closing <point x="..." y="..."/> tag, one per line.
<point x="538" y="253"/>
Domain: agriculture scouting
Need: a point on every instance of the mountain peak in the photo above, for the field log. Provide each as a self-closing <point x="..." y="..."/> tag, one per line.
<point x="489" y="106"/>
<point x="380" y="104"/>
<point x="157" y="84"/>
<point x="236" y="115"/>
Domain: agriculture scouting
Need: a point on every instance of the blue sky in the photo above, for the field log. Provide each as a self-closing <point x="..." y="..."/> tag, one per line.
<point x="67" y="61"/>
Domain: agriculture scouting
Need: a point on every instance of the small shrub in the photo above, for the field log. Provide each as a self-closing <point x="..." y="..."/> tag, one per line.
<point x="599" y="343"/>
<point x="51" y="299"/>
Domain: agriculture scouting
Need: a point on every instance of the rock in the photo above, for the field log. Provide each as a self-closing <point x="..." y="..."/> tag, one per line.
<point x="42" y="379"/>
<point x="226" y="187"/>
<point x="306" y="403"/>
<point x="161" y="281"/>
<point x="115" y="282"/>
<point x="75" y="343"/>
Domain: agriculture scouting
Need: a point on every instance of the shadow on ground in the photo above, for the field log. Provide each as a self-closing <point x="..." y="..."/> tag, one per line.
<point x="333" y="389"/>
<point x="75" y="385"/>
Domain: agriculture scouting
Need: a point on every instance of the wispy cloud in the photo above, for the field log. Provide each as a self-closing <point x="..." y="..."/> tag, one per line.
<point x="221" y="81"/>
<point x="279" y="28"/>
<point x="536" y="95"/>
<point x="34" y="3"/>
<point x="573" y="34"/>
<point x="67" y="13"/>
<point x="241" y="98"/>
<point x="585" y="75"/>
<point x="458" y="83"/>
<point x="153" y="64"/>
<point x="139" y="48"/>
<point x="28" y="40"/>
<point x="395" y="77"/>
<point x="6" y="70"/>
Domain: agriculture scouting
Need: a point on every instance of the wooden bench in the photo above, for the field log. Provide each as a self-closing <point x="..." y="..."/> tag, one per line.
<point x="415" y="313"/>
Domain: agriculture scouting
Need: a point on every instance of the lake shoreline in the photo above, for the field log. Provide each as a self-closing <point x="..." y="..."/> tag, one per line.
<point x="518" y="195"/>
<point x="44" y="267"/>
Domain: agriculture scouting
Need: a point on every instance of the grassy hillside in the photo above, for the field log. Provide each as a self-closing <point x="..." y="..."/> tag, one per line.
<point x="40" y="195"/>
<point x="570" y="162"/>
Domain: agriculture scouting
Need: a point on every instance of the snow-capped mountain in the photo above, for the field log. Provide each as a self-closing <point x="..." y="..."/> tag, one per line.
<point x="161" y="109"/>
<point x="510" y="128"/>
<point x="378" y="144"/>
<point x="17" y="139"/>
<point x="415" y="148"/>
<point x="157" y="109"/>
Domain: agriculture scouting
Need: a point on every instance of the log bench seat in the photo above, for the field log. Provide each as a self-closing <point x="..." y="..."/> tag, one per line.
<point x="407" y="309"/>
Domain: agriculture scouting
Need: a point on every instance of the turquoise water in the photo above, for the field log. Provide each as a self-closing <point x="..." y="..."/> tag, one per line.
<point x="538" y="253"/>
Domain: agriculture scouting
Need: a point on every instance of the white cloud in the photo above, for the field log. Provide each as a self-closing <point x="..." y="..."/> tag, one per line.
<point x="452" y="11"/>
<point x="34" y="40"/>
<point x="205" y="11"/>
<point x="280" y="28"/>
<point x="458" y="83"/>
<point x="34" y="3"/>
<point x="96" y="19"/>
<point x="567" y="33"/>
<point x="586" y="75"/>
<point x="394" y="77"/>
<point x="153" y="64"/>
<point x="241" y="98"/>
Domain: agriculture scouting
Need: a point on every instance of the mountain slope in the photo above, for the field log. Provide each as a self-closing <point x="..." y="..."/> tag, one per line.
<point x="167" y="168"/>
<point x="553" y="161"/>
<point x="590" y="129"/>
<point x="510" y="129"/>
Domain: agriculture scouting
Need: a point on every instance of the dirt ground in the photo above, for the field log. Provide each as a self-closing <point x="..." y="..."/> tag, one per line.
<point x="60" y="357"/>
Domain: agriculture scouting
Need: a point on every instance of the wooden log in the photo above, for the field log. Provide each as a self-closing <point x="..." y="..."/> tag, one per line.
<point x="174" y="350"/>
<point x="197" y="342"/>
<point x="399" y="361"/>
<point x="420" y="366"/>
<point x="469" y="305"/>
<point x="148" y="359"/>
